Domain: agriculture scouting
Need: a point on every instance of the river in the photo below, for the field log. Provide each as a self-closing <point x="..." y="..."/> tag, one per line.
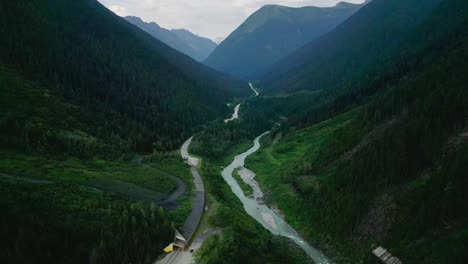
<point x="255" y="207"/>
<point x="253" y="89"/>
<point x="235" y="115"/>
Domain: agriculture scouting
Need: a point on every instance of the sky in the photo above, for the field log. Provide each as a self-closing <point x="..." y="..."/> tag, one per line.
<point x="208" y="18"/>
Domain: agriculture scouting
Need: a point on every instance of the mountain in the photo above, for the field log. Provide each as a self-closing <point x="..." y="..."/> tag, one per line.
<point x="162" y="34"/>
<point x="104" y="65"/>
<point x="338" y="60"/>
<point x="272" y="33"/>
<point x="390" y="170"/>
<point x="382" y="163"/>
<point x="180" y="39"/>
<point x="201" y="46"/>
<point x="84" y="95"/>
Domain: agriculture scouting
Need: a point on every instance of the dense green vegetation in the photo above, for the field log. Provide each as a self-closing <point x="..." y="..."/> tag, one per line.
<point x="62" y="223"/>
<point x="243" y="240"/>
<point x="368" y="142"/>
<point x="81" y="94"/>
<point x="217" y="138"/>
<point x="97" y="173"/>
<point x="345" y="58"/>
<point x="137" y="89"/>
<point x="151" y="181"/>
<point x="273" y="32"/>
<point x="182" y="40"/>
<point x="55" y="140"/>
<point x="65" y="209"/>
<point x="393" y="171"/>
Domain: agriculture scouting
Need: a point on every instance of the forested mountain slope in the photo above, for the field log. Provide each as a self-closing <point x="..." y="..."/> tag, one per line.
<point x="340" y="60"/>
<point x="83" y="95"/>
<point x="141" y="90"/>
<point x="391" y="172"/>
<point x="273" y="32"/>
<point x="182" y="40"/>
<point x="160" y="33"/>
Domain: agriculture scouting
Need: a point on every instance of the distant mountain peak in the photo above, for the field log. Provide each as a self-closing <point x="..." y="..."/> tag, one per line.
<point x="183" y="30"/>
<point x="272" y="6"/>
<point x="201" y="45"/>
<point x="283" y="7"/>
<point x="134" y="18"/>
<point x="273" y="32"/>
<point x="180" y="39"/>
<point x="344" y="4"/>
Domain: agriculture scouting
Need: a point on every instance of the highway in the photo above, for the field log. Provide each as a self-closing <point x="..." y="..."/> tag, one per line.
<point x="179" y="256"/>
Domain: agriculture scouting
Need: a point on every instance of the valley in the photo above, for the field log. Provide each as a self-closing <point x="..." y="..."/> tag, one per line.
<point x="311" y="134"/>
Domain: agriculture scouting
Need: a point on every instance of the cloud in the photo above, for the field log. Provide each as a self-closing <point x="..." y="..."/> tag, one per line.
<point x="118" y="10"/>
<point x="210" y="18"/>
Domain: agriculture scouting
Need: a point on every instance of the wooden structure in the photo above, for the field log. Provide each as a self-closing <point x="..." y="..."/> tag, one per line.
<point x="179" y="241"/>
<point x="385" y="256"/>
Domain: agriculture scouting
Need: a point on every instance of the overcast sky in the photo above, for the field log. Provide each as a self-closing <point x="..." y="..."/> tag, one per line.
<point x="208" y="18"/>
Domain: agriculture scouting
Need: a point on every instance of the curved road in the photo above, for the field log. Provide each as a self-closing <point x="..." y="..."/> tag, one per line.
<point x="198" y="204"/>
<point x="191" y="223"/>
<point x="186" y="257"/>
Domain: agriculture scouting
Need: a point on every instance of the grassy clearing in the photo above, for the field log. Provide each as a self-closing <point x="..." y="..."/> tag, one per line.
<point x="151" y="181"/>
<point x="300" y="163"/>
<point x="89" y="172"/>
<point x="299" y="158"/>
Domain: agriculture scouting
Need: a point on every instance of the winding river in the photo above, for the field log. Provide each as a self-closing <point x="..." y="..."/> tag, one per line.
<point x="255" y="207"/>
<point x="253" y="89"/>
<point x="235" y="115"/>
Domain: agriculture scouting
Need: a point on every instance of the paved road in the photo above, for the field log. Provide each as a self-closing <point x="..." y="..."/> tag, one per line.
<point x="192" y="161"/>
<point x="186" y="257"/>
<point x="198" y="204"/>
<point x="191" y="223"/>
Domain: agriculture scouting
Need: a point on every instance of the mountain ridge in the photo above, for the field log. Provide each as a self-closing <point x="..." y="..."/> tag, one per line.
<point x="311" y="67"/>
<point x="97" y="59"/>
<point x="271" y="33"/>
<point x="183" y="40"/>
<point x="201" y="45"/>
